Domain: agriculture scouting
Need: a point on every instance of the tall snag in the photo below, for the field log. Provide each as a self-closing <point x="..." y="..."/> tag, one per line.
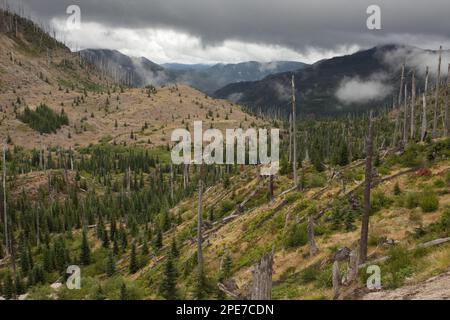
<point x="405" y="117"/>
<point x="446" y="118"/>
<point x="402" y="79"/>
<point x="262" y="278"/>
<point x="436" y="97"/>
<point x="311" y="238"/>
<point x="413" y="105"/>
<point x="199" y="219"/>
<point x="367" y="189"/>
<point x="5" y="215"/>
<point x="294" y="134"/>
<point x="424" y="109"/>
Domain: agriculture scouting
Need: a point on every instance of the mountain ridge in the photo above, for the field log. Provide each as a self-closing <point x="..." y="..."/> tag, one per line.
<point x="323" y="87"/>
<point x="206" y="78"/>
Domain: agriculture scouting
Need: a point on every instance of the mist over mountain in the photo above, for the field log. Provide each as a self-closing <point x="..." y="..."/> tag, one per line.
<point x="207" y="78"/>
<point x="348" y="83"/>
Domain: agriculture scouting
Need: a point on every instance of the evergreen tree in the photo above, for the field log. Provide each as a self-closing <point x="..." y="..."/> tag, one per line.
<point x="145" y="251"/>
<point x="225" y="271"/>
<point x="123" y="292"/>
<point x="100" y="293"/>
<point x="200" y="284"/>
<point x="85" y="255"/>
<point x="157" y="243"/>
<point x="168" y="284"/>
<point x="19" y="286"/>
<point x="48" y="262"/>
<point x="8" y="287"/>
<point x="174" y="249"/>
<point x="105" y="239"/>
<point x="134" y="265"/>
<point x="110" y="264"/>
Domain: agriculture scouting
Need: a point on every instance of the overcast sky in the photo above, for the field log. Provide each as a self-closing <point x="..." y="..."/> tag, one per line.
<point x="210" y="31"/>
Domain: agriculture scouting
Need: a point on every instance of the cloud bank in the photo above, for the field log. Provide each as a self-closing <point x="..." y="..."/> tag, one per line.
<point x="356" y="90"/>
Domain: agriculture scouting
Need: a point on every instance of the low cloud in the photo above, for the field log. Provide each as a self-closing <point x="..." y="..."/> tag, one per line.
<point x="356" y="90"/>
<point x="417" y="59"/>
<point x="283" y="92"/>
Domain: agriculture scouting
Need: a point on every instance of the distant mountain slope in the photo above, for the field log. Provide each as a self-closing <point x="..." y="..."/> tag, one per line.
<point x="219" y="75"/>
<point x="132" y="71"/>
<point x="184" y="67"/>
<point x="341" y="84"/>
<point x="141" y="71"/>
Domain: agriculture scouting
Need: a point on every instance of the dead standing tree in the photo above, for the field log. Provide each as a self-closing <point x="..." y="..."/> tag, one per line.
<point x="367" y="188"/>
<point x="294" y="134"/>
<point x="436" y="97"/>
<point x="199" y="221"/>
<point x="397" y="129"/>
<point x="446" y="118"/>
<point x="262" y="278"/>
<point x="5" y="215"/>
<point x="413" y="105"/>
<point x="311" y="238"/>
<point x="424" y="109"/>
<point x="405" y="117"/>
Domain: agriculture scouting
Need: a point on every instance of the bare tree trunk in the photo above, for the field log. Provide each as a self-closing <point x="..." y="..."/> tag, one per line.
<point x="290" y="137"/>
<point x="446" y="118"/>
<point x="199" y="220"/>
<point x="413" y="106"/>
<point x="171" y="182"/>
<point x="262" y="279"/>
<point x="396" y="129"/>
<point x="185" y="176"/>
<point x="311" y="239"/>
<point x="336" y="280"/>
<point x="129" y="179"/>
<point x="367" y="188"/>
<point x="436" y="102"/>
<point x="5" y="215"/>
<point x="352" y="270"/>
<point x="402" y="79"/>
<point x="38" y="237"/>
<point x="271" y="187"/>
<point x="294" y="134"/>
<point x="424" y="109"/>
<point x="405" y="117"/>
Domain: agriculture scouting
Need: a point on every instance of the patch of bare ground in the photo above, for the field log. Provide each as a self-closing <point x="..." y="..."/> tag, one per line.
<point x="435" y="288"/>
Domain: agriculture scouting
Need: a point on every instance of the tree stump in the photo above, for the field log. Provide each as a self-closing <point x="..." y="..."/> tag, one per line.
<point x="262" y="279"/>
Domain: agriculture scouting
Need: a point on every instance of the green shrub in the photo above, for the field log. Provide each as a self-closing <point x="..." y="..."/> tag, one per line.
<point x="315" y="181"/>
<point x="292" y="197"/>
<point x="445" y="221"/>
<point x="411" y="200"/>
<point x="227" y="206"/>
<point x="296" y="236"/>
<point x="309" y="274"/>
<point x="380" y="200"/>
<point x="397" y="190"/>
<point x="428" y="201"/>
<point x="439" y="183"/>
<point x="447" y="179"/>
<point x="398" y="267"/>
<point x="413" y="156"/>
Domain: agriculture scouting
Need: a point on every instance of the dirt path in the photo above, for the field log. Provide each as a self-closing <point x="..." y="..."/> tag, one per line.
<point x="436" y="288"/>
